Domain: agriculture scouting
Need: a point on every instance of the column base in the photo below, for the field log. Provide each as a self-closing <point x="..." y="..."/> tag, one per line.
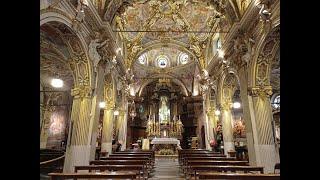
<point x="228" y="146"/>
<point x="43" y="145"/>
<point x="267" y="156"/>
<point x="106" y="147"/>
<point x="76" y="156"/>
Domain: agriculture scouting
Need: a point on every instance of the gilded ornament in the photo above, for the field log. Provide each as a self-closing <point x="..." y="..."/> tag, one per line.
<point x="81" y="92"/>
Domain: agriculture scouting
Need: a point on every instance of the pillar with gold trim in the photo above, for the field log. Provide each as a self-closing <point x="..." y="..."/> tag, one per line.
<point x="78" y="146"/>
<point x="264" y="143"/>
<point x="108" y="116"/>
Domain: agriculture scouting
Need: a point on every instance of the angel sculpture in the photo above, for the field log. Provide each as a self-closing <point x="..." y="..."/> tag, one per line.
<point x="93" y="52"/>
<point x="264" y="13"/>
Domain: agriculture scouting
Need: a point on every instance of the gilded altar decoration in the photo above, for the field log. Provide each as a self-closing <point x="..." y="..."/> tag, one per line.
<point x="173" y="128"/>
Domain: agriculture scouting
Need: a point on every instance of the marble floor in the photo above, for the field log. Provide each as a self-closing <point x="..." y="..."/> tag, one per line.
<point x="166" y="169"/>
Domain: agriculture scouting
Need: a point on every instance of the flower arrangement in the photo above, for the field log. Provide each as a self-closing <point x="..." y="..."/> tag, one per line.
<point x="213" y="143"/>
<point x="239" y="128"/>
<point x="166" y="152"/>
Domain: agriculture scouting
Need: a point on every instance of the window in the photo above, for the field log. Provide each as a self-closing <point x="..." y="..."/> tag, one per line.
<point x="162" y="61"/>
<point x="183" y="58"/>
<point x="276" y="102"/>
<point x="143" y="59"/>
<point x="218" y="44"/>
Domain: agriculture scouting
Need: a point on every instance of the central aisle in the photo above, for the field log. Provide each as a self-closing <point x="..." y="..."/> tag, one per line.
<point x="166" y="169"/>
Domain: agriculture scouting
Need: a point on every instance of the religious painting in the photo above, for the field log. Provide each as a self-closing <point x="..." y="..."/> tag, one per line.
<point x="57" y="127"/>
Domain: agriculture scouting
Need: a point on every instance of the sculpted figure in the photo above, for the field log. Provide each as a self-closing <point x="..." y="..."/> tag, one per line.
<point x="93" y="52"/>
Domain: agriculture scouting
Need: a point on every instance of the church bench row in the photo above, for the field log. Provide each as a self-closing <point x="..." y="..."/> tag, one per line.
<point x="136" y="168"/>
<point x="123" y="162"/>
<point x="213" y="175"/>
<point x="136" y="153"/>
<point x="146" y="158"/>
<point x="102" y="175"/>
<point x="191" y="163"/>
<point x="185" y="159"/>
<point x="194" y="170"/>
<point x="199" y="154"/>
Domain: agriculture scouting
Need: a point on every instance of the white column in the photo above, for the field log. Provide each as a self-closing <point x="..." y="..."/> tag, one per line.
<point x="266" y="153"/>
<point x="227" y="130"/>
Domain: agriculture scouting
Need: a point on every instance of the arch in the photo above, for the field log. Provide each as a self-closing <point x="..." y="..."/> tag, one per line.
<point x="222" y="80"/>
<point x="169" y="43"/>
<point x="56" y="15"/>
<point x="253" y="66"/>
<point x="174" y="79"/>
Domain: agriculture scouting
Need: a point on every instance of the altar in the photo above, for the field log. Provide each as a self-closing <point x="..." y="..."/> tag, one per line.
<point x="165" y="141"/>
<point x="165" y="146"/>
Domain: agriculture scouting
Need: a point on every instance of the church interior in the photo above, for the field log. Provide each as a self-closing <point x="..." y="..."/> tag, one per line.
<point x="159" y="89"/>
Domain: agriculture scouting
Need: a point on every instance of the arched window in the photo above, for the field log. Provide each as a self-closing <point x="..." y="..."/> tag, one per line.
<point x="183" y="58"/>
<point x="218" y="43"/>
<point x="162" y="61"/>
<point x="276" y="102"/>
<point x="143" y="59"/>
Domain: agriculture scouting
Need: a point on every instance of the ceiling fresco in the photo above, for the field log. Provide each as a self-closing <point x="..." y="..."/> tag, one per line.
<point x="55" y="54"/>
<point x="196" y="15"/>
<point x="178" y="20"/>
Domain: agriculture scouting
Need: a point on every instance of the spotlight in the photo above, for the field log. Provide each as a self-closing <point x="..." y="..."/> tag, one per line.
<point x="102" y="104"/>
<point x="57" y="83"/>
<point x="236" y="105"/>
<point x="217" y="112"/>
<point x="220" y="53"/>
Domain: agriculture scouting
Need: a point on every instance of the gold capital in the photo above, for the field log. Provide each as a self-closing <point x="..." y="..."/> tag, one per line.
<point x="81" y="91"/>
<point x="262" y="92"/>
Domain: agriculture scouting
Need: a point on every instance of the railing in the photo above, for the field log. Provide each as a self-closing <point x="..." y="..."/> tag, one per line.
<point x="52" y="165"/>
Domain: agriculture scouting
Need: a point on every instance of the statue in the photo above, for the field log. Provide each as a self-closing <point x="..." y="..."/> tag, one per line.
<point x="80" y="11"/>
<point x="249" y="42"/>
<point x="264" y="13"/>
<point x="164" y="111"/>
<point x="93" y="53"/>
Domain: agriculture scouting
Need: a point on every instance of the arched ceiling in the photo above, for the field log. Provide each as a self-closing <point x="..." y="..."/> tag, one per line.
<point x="197" y="14"/>
<point x="55" y="54"/>
<point x="174" y="56"/>
<point x="180" y="20"/>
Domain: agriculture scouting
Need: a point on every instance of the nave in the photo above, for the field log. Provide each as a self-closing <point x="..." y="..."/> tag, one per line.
<point x="189" y="164"/>
<point x="126" y="86"/>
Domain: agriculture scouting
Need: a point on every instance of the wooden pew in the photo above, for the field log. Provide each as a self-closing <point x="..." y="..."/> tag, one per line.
<point x="212" y="175"/>
<point x="277" y="168"/>
<point x="185" y="159"/>
<point x="122" y="162"/>
<point x="151" y="154"/>
<point x="199" y="154"/>
<point x="102" y="175"/>
<point x="190" y="163"/>
<point x="184" y="151"/>
<point x="146" y="158"/>
<point x="149" y="157"/>
<point x="139" y="168"/>
<point x="245" y="169"/>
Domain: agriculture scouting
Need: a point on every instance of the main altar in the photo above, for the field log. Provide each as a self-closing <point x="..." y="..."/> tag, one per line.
<point x="164" y="126"/>
<point x="164" y="135"/>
